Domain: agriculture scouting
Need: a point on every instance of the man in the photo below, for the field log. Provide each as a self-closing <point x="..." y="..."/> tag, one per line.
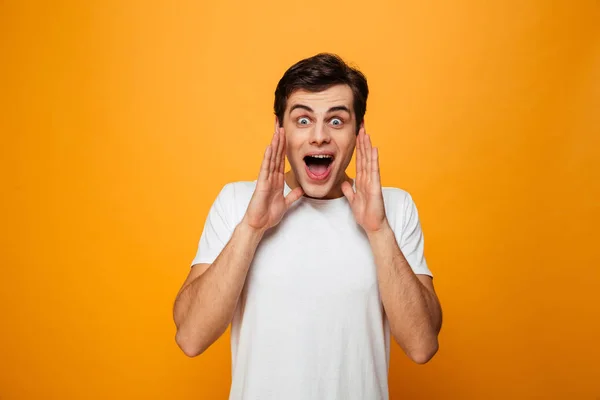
<point x="313" y="269"/>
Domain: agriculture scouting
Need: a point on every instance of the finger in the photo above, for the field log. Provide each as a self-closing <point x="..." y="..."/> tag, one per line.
<point x="293" y="196"/>
<point x="361" y="166"/>
<point x="280" y="148"/>
<point x="359" y="157"/>
<point x="363" y="159"/>
<point x="363" y="150"/>
<point x="274" y="144"/>
<point x="264" y="167"/>
<point x="368" y="154"/>
<point x="284" y="143"/>
<point x="375" y="176"/>
<point x="348" y="192"/>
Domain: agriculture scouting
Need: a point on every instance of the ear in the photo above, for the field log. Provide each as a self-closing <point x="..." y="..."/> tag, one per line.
<point x="276" y="127"/>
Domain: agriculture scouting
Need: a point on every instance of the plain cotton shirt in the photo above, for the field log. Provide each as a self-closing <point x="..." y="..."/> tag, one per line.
<point x="310" y="323"/>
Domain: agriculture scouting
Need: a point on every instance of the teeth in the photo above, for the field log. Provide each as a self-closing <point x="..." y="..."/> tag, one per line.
<point x="322" y="156"/>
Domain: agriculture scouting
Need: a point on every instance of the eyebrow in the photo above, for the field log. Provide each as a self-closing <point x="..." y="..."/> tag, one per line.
<point x="332" y="109"/>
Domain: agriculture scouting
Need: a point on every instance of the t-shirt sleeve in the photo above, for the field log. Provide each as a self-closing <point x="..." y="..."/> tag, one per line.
<point x="411" y="241"/>
<point x="218" y="227"/>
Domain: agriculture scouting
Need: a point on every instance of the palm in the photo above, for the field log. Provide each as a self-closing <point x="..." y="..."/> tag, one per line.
<point x="367" y="202"/>
<point x="268" y="205"/>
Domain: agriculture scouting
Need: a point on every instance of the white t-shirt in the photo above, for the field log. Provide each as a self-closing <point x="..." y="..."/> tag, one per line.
<point x="310" y="324"/>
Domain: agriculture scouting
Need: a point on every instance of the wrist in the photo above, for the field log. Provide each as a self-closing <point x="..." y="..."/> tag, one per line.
<point x="382" y="233"/>
<point x="247" y="230"/>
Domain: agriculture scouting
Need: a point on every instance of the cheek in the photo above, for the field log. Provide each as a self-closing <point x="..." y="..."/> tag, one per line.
<point x="292" y="140"/>
<point x="346" y="146"/>
<point x="291" y="149"/>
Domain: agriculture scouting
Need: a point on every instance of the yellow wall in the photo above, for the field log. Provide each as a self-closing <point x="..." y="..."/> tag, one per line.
<point x="122" y="120"/>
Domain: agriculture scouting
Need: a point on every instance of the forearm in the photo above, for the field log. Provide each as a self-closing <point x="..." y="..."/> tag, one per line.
<point x="205" y="307"/>
<point x="412" y="309"/>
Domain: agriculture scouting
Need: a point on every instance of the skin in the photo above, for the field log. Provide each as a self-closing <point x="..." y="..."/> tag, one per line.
<point x="206" y="302"/>
<point x="409" y="299"/>
<point x="314" y="122"/>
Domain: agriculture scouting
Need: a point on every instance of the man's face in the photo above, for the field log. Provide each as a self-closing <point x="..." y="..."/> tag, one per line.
<point x="320" y="131"/>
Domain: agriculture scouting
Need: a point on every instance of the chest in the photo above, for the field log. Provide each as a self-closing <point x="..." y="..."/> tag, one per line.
<point x="324" y="253"/>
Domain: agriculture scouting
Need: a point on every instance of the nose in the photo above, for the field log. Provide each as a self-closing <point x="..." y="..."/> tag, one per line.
<point x="320" y="135"/>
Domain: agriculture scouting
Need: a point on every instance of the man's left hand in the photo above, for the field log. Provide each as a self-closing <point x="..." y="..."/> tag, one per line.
<point x="367" y="202"/>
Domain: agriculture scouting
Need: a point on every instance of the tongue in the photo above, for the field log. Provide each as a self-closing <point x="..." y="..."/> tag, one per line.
<point x="317" y="169"/>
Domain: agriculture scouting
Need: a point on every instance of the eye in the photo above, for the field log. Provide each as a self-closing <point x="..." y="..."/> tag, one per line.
<point x="336" y="122"/>
<point x="303" y="121"/>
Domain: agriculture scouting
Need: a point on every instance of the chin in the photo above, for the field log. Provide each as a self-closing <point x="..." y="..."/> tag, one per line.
<point x="317" y="192"/>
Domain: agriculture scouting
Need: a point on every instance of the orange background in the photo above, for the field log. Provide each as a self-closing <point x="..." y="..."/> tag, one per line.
<point x="121" y="121"/>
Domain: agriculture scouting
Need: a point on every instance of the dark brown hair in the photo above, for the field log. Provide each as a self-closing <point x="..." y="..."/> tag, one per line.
<point x="319" y="73"/>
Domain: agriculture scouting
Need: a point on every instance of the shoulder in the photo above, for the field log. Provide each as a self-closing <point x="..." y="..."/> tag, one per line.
<point x="395" y="197"/>
<point x="235" y="197"/>
<point x="238" y="192"/>
<point x="239" y="188"/>
<point x="399" y="206"/>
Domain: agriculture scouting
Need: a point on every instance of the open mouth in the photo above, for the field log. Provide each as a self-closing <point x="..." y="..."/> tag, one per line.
<point x="318" y="166"/>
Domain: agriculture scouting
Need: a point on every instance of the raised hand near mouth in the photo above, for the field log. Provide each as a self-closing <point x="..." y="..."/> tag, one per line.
<point x="268" y="205"/>
<point x="367" y="202"/>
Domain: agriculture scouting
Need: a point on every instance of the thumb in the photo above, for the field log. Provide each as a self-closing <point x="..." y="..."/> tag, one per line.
<point x="348" y="192"/>
<point x="293" y="196"/>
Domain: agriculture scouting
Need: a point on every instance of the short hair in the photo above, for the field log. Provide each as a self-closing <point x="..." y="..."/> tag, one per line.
<point x="318" y="73"/>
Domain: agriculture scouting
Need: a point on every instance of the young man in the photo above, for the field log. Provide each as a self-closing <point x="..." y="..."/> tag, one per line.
<point x="313" y="269"/>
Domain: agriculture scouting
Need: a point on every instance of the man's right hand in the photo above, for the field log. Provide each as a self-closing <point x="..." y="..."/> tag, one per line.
<point x="207" y="300"/>
<point x="268" y="205"/>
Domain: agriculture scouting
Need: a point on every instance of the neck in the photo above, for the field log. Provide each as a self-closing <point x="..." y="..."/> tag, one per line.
<point x="334" y="193"/>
